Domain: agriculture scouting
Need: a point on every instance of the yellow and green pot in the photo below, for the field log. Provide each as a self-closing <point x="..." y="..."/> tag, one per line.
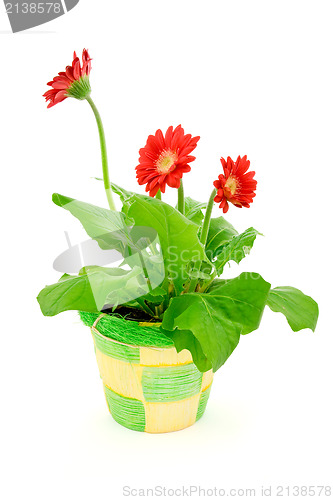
<point x="148" y="388"/>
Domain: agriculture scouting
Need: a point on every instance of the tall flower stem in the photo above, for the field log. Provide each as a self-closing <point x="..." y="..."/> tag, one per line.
<point x="181" y="199"/>
<point x="106" y="177"/>
<point x="158" y="195"/>
<point x="203" y="239"/>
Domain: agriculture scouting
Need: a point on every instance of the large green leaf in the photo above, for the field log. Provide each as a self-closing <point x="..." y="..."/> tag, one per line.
<point x="236" y="249"/>
<point x="107" y="227"/>
<point x="218" y="318"/>
<point x="300" y="310"/>
<point x="91" y="290"/>
<point x="178" y="236"/>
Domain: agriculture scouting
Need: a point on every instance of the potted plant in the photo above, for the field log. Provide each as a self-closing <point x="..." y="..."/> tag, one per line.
<point x="164" y="320"/>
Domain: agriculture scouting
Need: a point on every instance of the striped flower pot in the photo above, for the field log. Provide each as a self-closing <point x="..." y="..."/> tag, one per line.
<point x="151" y="389"/>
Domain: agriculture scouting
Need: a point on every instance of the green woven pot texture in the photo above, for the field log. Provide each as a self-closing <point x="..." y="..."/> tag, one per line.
<point x="148" y="385"/>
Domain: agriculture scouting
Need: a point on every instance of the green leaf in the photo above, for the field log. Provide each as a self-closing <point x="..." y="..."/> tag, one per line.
<point x="236" y="249"/>
<point x="121" y="192"/>
<point x="193" y="210"/>
<point x="184" y="339"/>
<point x="158" y="291"/>
<point x="219" y="234"/>
<point x="300" y="310"/>
<point x="218" y="318"/>
<point x="156" y="296"/>
<point x="107" y="227"/>
<point x="91" y="290"/>
<point x="178" y="236"/>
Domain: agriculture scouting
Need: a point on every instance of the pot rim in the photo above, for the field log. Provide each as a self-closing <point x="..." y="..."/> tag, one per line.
<point x="144" y="323"/>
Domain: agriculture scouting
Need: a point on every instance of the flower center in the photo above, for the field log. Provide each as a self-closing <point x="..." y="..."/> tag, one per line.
<point x="166" y="161"/>
<point x="231" y="185"/>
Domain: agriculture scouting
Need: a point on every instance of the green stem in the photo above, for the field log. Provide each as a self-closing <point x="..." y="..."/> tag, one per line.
<point x="159" y="311"/>
<point x="203" y="238"/>
<point x="145" y="272"/>
<point x="181" y="199"/>
<point x="158" y="195"/>
<point x="106" y="177"/>
<point x="208" y="215"/>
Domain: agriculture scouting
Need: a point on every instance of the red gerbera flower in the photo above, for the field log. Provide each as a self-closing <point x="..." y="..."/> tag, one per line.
<point x="236" y="186"/>
<point x="163" y="160"/>
<point x="74" y="82"/>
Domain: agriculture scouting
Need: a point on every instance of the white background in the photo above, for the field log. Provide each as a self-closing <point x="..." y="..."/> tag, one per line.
<point x="249" y="77"/>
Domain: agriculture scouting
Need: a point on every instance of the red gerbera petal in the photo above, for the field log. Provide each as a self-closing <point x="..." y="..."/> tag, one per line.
<point x="164" y="159"/>
<point x="73" y="82"/>
<point x="236" y="186"/>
